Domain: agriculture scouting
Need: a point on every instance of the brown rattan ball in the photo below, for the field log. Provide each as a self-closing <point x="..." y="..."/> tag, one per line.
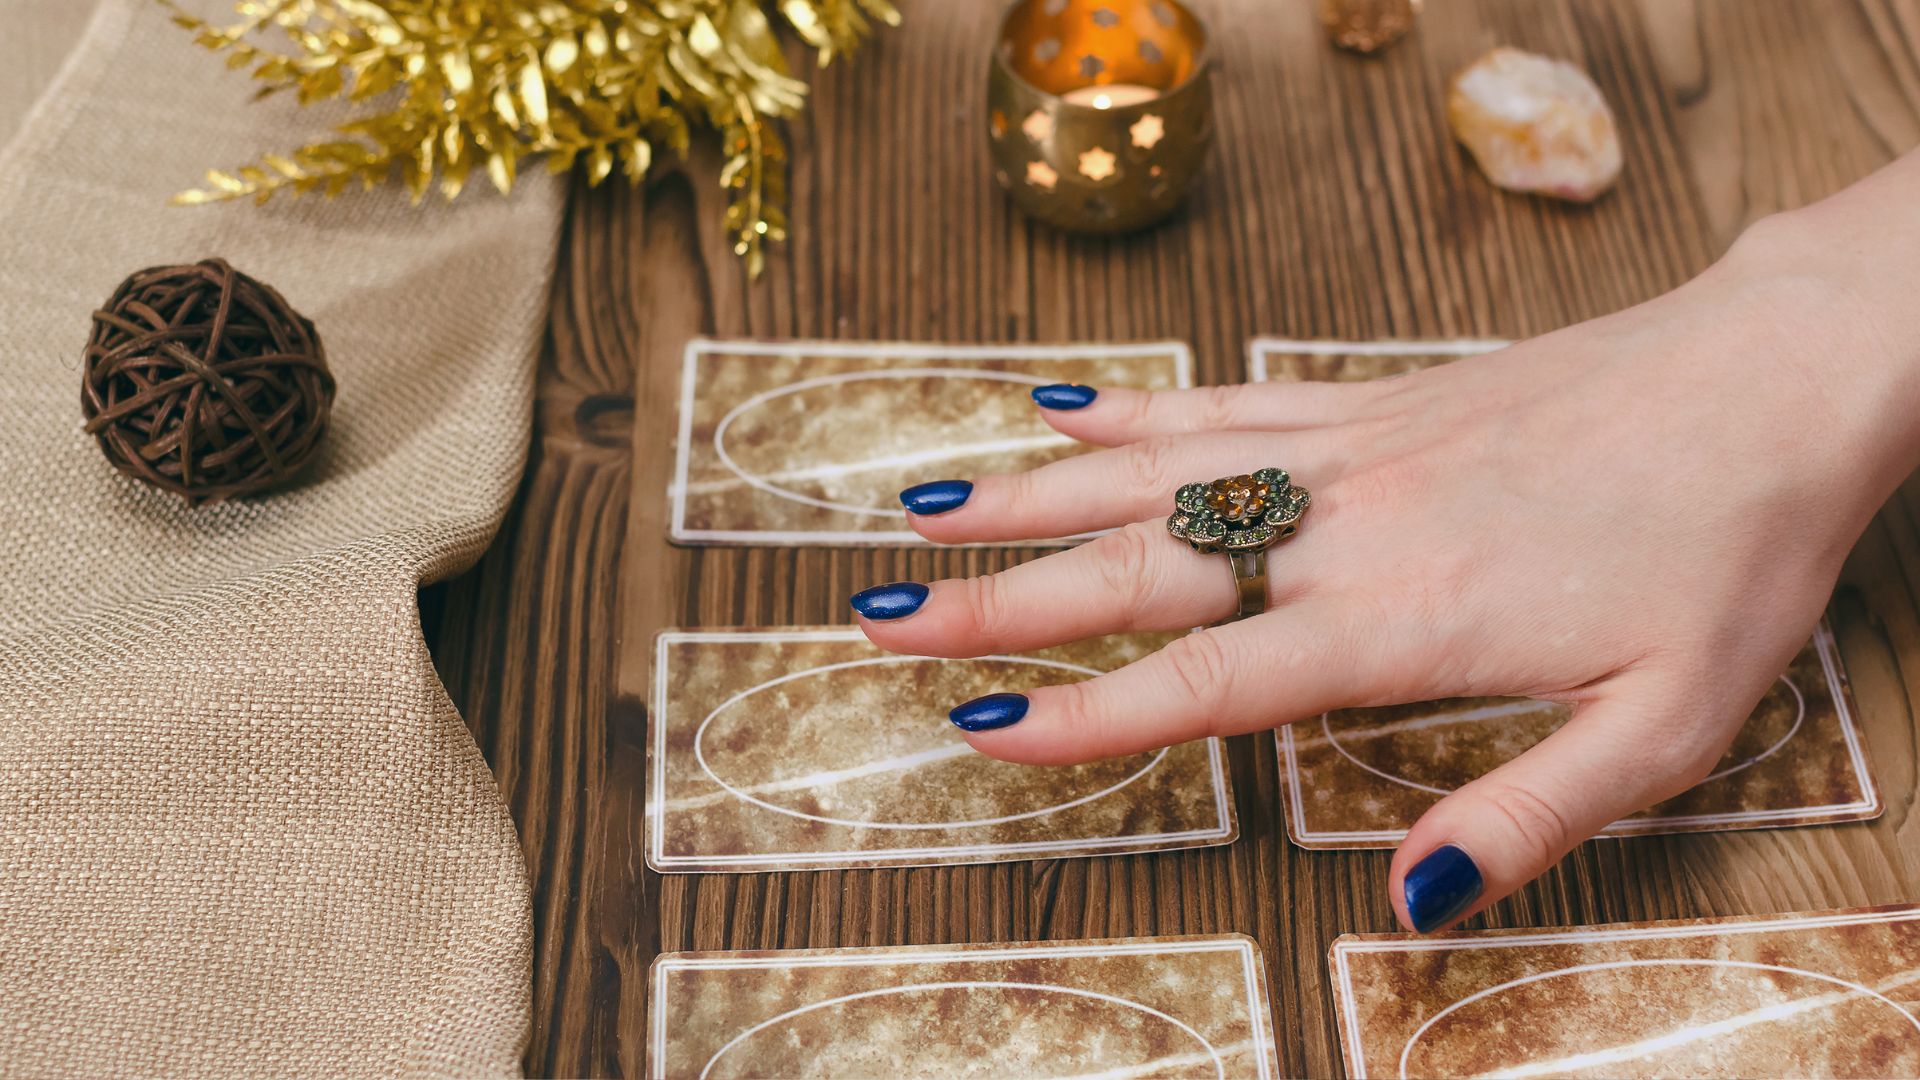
<point x="204" y="382"/>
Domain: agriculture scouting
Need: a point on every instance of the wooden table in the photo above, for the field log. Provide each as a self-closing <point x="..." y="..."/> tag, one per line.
<point x="1335" y="205"/>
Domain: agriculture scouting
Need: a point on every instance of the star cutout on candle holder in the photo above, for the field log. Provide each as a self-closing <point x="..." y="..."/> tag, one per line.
<point x="1096" y="164"/>
<point x="1147" y="131"/>
<point x="1038" y="126"/>
<point x="1041" y="175"/>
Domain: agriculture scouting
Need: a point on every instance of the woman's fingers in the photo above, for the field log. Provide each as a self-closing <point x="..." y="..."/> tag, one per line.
<point x="1103" y="489"/>
<point x="1137" y="578"/>
<point x="1112" y="417"/>
<point x="1275" y="668"/>
<point x="1616" y="756"/>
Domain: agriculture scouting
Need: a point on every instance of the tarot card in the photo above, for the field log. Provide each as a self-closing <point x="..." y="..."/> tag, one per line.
<point x="811" y="442"/>
<point x="1819" y="994"/>
<point x="802" y="748"/>
<point x="1360" y="778"/>
<point x="1130" y="1007"/>
<point x="1271" y="359"/>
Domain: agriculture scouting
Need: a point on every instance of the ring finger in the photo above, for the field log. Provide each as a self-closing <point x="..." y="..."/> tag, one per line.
<point x="1137" y="578"/>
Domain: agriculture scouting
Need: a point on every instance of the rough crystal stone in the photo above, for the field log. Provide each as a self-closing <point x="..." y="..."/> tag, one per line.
<point x="1536" y="124"/>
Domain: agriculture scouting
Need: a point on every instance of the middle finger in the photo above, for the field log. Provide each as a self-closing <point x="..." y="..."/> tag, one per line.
<point x="1107" y="488"/>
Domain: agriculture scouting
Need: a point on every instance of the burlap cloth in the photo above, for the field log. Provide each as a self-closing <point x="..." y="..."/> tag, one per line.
<point x="242" y="828"/>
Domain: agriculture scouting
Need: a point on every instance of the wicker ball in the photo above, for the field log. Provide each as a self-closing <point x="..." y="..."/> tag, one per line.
<point x="204" y="382"/>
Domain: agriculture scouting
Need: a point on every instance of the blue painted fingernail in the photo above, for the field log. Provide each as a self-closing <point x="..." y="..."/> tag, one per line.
<point x="990" y="712"/>
<point x="1064" y="396"/>
<point x="895" y="601"/>
<point x="1440" y="887"/>
<point x="937" y="497"/>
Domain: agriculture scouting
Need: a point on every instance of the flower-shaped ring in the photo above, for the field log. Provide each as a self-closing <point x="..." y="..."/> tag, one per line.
<point x="1241" y="516"/>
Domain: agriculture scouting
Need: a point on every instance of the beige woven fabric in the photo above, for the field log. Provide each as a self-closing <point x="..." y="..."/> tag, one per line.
<point x="242" y="829"/>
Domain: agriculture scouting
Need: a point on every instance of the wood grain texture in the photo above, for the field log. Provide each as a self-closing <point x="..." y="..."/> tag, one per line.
<point x="1335" y="205"/>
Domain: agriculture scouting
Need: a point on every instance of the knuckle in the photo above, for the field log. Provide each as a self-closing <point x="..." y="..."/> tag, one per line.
<point x="1018" y="490"/>
<point x="1219" y="408"/>
<point x="1123" y="565"/>
<point x="1539" y="831"/>
<point x="1139" y="410"/>
<point x="987" y="605"/>
<point x="1076" y="713"/>
<point x="1200" y="667"/>
<point x="1149" y="466"/>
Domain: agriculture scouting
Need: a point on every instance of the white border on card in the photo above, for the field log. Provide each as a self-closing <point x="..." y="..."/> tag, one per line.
<point x="891" y="856"/>
<point x="1347" y="946"/>
<point x="1253" y="970"/>
<point x="683" y="448"/>
<point x="1823" y="642"/>
<point x="1258" y="349"/>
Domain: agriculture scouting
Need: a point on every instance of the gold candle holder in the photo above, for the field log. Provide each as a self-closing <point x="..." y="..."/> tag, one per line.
<point x="1099" y="111"/>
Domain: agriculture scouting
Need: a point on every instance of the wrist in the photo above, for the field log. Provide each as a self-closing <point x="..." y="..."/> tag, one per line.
<point x="1831" y="318"/>
<point x="1857" y="292"/>
<point x="1847" y="269"/>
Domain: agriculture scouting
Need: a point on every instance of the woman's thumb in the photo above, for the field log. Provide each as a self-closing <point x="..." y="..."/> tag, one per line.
<point x="1614" y="757"/>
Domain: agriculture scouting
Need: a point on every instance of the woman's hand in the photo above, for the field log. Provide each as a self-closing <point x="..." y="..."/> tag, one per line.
<point x="1641" y="516"/>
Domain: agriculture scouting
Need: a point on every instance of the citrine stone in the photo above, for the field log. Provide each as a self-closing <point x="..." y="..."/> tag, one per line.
<point x="1536" y="124"/>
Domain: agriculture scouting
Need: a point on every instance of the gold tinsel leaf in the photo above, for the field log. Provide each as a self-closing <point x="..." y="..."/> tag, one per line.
<point x="533" y="92"/>
<point x="599" y="163"/>
<point x="455" y="84"/>
<point x="375" y="78"/>
<point x="594" y="40"/>
<point x="503" y="106"/>
<point x="562" y="51"/>
<point x="458" y="68"/>
<point x="453" y="179"/>
<point x="702" y="38"/>
<point x="500" y="169"/>
<point x="638" y="157"/>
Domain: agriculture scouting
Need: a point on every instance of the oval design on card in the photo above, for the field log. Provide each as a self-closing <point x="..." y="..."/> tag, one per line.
<point x="1437" y="750"/>
<point x="813" y="442"/>
<point x="1667" y="1016"/>
<point x="854" y="761"/>
<point x="954" y="1028"/>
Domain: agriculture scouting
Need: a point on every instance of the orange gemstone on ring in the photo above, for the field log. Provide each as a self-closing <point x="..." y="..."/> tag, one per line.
<point x="1238" y="497"/>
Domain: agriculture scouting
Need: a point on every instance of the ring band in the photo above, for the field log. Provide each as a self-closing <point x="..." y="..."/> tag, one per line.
<point x="1249" y="582"/>
<point x="1241" y="517"/>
